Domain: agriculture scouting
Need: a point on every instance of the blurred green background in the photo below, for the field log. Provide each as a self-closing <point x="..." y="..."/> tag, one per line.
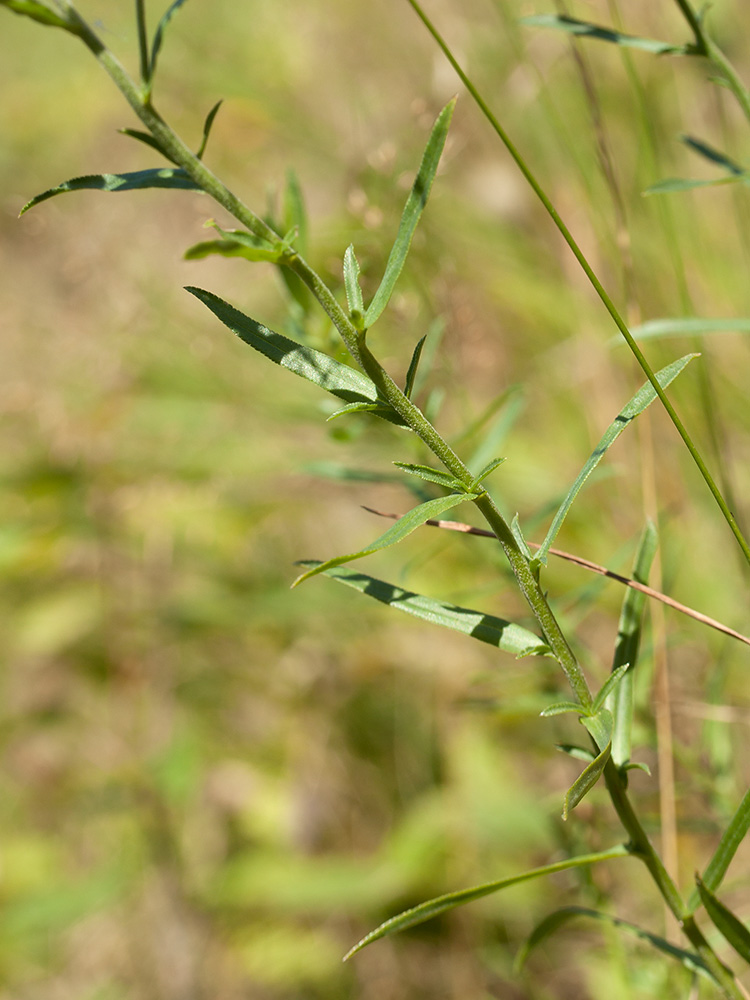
<point x="211" y="786"/>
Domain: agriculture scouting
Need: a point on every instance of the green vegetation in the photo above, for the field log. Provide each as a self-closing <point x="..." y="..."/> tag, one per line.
<point x="214" y="787"/>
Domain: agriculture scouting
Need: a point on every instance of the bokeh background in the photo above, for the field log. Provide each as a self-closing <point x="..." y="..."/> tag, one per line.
<point x="211" y="785"/>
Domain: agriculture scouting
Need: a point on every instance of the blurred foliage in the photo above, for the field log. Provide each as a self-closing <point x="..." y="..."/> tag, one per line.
<point x="212" y="787"/>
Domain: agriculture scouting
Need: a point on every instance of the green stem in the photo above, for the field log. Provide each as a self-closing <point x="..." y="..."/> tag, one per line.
<point x="707" y="47"/>
<point x="589" y="272"/>
<point x="140" y="17"/>
<point x="641" y="847"/>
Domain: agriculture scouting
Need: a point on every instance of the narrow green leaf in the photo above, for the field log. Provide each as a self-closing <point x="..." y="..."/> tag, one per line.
<point x="515" y="527"/>
<point x="432" y="340"/>
<point x="295" y="214"/>
<point x="688" y="326"/>
<point x="579" y="753"/>
<point x="554" y="921"/>
<point x="39" y="12"/>
<point x="351" y="284"/>
<point x="711" y="154"/>
<point x="412" y="212"/>
<point x="672" y="184"/>
<point x="233" y="248"/>
<point x="585" y="782"/>
<point x="147" y="139"/>
<point x="561" y="707"/>
<point x="735" y="932"/>
<point x="379" y="409"/>
<point x="608" y="687"/>
<point x="634" y="765"/>
<point x="731" y="839"/>
<point x="403" y="527"/>
<point x="640" y="401"/>
<point x="434" y="907"/>
<point x="444" y="479"/>
<point x="600" y="727"/>
<point x="627" y="644"/>
<point x="487" y="471"/>
<point x="413" y="367"/>
<point x="163" y="177"/>
<point x="340" y="380"/>
<point x="504" y="635"/>
<point x="207" y="126"/>
<point x="575" y="27"/>
<point x="159" y="35"/>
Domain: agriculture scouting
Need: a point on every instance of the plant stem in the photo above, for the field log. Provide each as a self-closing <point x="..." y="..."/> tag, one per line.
<point x="140" y="17"/>
<point x="593" y="279"/>
<point x="641" y="847"/>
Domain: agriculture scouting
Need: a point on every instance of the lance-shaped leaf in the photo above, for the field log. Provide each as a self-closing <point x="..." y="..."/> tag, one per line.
<point x="584" y="28"/>
<point x="711" y="154"/>
<point x="147" y="139"/>
<point x="498" y="632"/>
<point x="554" y="921"/>
<point x="159" y="36"/>
<point x="599" y="724"/>
<point x="672" y="184"/>
<point x="339" y="379"/>
<point x="411" y="374"/>
<point x="412" y="212"/>
<point x="353" y="291"/>
<point x="207" y="126"/>
<point x="585" y="781"/>
<point x="609" y="686"/>
<point x="682" y="326"/>
<point x="139" y="180"/>
<point x="39" y="12"/>
<point x="434" y="907"/>
<point x="403" y="527"/>
<point x="237" y="243"/>
<point x="642" y="399"/>
<point x="725" y="921"/>
<point x="437" y="476"/>
<point x="731" y="839"/>
<point x="620" y="699"/>
<point x="295" y="214"/>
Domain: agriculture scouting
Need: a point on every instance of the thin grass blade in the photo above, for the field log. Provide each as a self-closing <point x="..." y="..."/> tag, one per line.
<point x="587" y="30"/>
<point x="403" y="527"/>
<point x="689" y="326"/>
<point x="620" y="700"/>
<point x="434" y="907"/>
<point x="672" y="184"/>
<point x="139" y="180"/>
<point x="731" y="839"/>
<point x="554" y="921"/>
<point x="340" y="380"/>
<point x="731" y="927"/>
<point x="412" y="212"/>
<point x="640" y="401"/>
<point x="497" y="632"/>
<point x="585" y="781"/>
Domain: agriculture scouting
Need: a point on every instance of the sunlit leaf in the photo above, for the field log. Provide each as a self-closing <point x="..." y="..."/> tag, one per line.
<point x="139" y="180"/>
<point x="431" y="475"/>
<point x="487" y="471"/>
<point x="640" y="401"/>
<point x="609" y="685"/>
<point x="599" y="726"/>
<point x="585" y="781"/>
<point x="434" y="907"/>
<point x="340" y="380"/>
<point x="561" y="707"/>
<point x="412" y="212"/>
<point x="725" y="921"/>
<point x="583" y="28"/>
<point x="498" y="632"/>
<point x="579" y="753"/>
<point x="233" y="248"/>
<point x="403" y="527"/>
<point x="39" y="12"/>
<point x="555" y="920"/>
<point x="351" y="284"/>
